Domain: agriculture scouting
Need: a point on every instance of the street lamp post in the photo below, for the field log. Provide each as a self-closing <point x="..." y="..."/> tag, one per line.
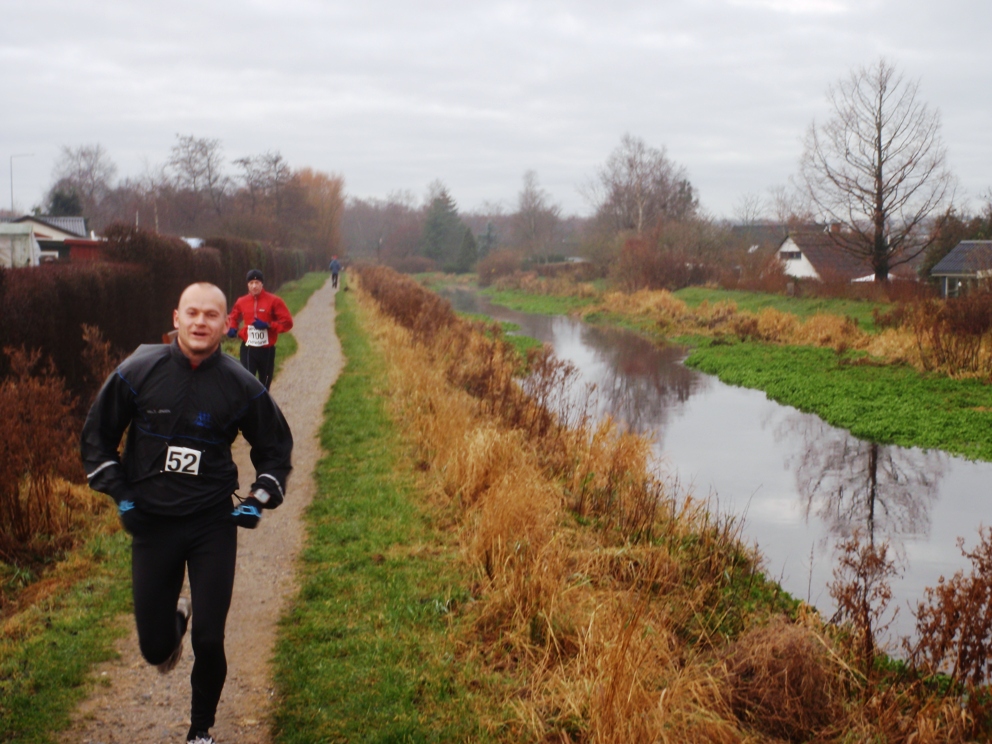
<point x="18" y="155"/>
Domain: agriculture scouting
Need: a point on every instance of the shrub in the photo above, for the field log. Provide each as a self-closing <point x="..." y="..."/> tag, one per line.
<point x="38" y="453"/>
<point x="781" y="682"/>
<point x="954" y="620"/>
<point x="497" y="265"/>
<point x="646" y="266"/>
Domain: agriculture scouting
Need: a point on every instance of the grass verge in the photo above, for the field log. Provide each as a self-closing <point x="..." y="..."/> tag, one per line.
<point x="890" y="404"/>
<point x="540" y="304"/>
<point x="801" y="307"/>
<point x="365" y="653"/>
<point x="47" y="650"/>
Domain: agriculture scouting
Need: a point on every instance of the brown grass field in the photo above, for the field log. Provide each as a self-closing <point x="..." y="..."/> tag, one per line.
<point x="625" y="614"/>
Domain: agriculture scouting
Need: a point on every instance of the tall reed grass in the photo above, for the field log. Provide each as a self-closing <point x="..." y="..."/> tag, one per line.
<point x="627" y="613"/>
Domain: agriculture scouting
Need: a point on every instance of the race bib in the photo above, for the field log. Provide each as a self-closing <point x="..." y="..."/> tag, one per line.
<point x="182" y="460"/>
<point x="257" y="336"/>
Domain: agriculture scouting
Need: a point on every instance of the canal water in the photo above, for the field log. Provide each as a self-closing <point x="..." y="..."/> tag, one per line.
<point x="798" y="484"/>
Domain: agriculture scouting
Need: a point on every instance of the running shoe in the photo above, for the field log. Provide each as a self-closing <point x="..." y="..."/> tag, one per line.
<point x="182" y="608"/>
<point x="201" y="737"/>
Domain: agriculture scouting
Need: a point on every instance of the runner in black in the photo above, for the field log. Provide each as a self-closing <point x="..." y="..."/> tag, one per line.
<point x="185" y="403"/>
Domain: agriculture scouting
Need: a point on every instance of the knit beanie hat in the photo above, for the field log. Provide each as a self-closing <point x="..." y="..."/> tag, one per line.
<point x="255" y="274"/>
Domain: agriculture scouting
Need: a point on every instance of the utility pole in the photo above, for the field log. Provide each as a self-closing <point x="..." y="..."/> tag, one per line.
<point x="18" y="155"/>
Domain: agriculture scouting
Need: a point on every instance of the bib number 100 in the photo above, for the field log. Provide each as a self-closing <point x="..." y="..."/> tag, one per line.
<point x="182" y="460"/>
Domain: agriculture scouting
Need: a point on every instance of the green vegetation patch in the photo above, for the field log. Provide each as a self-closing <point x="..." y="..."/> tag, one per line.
<point x="365" y="652"/>
<point x="885" y="403"/>
<point x="538" y="304"/>
<point x="47" y="650"/>
<point x="802" y="307"/>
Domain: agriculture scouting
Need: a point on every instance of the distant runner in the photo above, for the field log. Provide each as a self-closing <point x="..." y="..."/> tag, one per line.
<point x="265" y="317"/>
<point x="182" y="405"/>
<point x="335" y="268"/>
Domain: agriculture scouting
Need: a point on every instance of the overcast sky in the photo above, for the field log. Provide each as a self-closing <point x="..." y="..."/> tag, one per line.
<point x="392" y="95"/>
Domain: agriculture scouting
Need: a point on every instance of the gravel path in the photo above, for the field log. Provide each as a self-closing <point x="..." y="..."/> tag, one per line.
<point x="132" y="702"/>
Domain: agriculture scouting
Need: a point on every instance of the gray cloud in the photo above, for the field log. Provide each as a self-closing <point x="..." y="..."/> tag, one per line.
<point x="393" y="95"/>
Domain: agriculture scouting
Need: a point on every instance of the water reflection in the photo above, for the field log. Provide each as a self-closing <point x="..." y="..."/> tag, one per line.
<point x="800" y="485"/>
<point x="882" y="492"/>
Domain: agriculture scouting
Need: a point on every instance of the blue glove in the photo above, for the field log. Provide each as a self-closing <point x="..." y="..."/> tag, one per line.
<point x="232" y="332"/>
<point x="131" y="518"/>
<point x="259" y="324"/>
<point x="248" y="513"/>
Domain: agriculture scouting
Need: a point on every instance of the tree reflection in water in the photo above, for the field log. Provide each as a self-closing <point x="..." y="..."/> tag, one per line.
<point x="640" y="384"/>
<point x="882" y="491"/>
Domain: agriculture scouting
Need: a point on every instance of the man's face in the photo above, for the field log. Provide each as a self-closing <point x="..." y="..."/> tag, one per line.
<point x="254" y="287"/>
<point x="201" y="320"/>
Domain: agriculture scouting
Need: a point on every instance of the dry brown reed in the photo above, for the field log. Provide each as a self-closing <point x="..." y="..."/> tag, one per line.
<point x="620" y="612"/>
<point x="39" y="454"/>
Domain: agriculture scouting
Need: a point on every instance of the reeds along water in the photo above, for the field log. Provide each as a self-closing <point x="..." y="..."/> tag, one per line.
<point x="625" y="615"/>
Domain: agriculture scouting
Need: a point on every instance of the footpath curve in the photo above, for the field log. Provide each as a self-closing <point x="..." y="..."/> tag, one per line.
<point x="132" y="702"/>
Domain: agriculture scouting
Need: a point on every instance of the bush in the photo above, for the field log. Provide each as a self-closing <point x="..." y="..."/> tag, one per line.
<point x="646" y="266"/>
<point x="413" y="264"/>
<point x="39" y="453"/>
<point x="496" y="265"/>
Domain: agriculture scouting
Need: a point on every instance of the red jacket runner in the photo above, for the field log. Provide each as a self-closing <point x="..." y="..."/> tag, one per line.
<point x="266" y="306"/>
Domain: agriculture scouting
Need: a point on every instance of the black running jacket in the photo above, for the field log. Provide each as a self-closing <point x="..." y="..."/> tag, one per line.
<point x="177" y="457"/>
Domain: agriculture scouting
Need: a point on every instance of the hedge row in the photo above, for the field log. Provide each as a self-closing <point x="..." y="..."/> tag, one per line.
<point x="130" y="296"/>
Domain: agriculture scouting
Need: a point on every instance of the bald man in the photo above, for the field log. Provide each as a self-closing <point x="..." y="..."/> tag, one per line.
<point x="185" y="403"/>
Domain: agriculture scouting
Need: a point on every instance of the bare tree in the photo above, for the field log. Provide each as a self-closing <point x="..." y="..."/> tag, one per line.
<point x="196" y="164"/>
<point x="639" y="187"/>
<point x="86" y="172"/>
<point x="535" y="223"/>
<point x="749" y="209"/>
<point x="877" y="167"/>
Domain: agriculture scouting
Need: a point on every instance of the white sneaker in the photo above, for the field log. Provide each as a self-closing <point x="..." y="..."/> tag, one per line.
<point x="182" y="608"/>
<point x="201" y="737"/>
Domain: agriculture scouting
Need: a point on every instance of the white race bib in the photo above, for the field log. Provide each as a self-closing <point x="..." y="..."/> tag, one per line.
<point x="257" y="336"/>
<point x="182" y="460"/>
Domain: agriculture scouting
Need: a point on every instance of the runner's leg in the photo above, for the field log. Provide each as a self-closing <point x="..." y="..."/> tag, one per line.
<point x="157" y="569"/>
<point x="212" y="558"/>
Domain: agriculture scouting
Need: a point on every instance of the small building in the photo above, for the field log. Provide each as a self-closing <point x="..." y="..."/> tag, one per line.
<point x="18" y="246"/>
<point x="968" y="263"/>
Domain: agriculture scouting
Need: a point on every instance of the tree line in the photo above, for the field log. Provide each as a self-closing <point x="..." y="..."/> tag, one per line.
<point x="198" y="191"/>
<point x="875" y="169"/>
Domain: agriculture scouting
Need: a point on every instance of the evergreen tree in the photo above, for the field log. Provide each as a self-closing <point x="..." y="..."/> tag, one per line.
<point x="443" y="228"/>
<point x="487" y="240"/>
<point x="468" y="253"/>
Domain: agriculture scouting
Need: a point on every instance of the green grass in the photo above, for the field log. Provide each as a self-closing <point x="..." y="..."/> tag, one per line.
<point x="890" y="404"/>
<point x="538" y="304"/>
<point x="803" y="307"/>
<point x="365" y="653"/>
<point x="45" y="661"/>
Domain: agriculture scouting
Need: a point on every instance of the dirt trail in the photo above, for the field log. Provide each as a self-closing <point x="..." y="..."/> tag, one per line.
<point x="133" y="702"/>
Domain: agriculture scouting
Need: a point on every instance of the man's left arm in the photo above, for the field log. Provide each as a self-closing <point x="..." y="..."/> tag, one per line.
<point x="266" y="430"/>
<point x="281" y="320"/>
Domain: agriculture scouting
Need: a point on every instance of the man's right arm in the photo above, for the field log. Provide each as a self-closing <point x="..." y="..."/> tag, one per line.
<point x="108" y="418"/>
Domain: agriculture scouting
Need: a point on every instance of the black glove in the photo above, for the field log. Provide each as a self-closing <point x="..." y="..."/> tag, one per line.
<point x="248" y="513"/>
<point x="259" y="324"/>
<point x="232" y="332"/>
<point x="131" y="517"/>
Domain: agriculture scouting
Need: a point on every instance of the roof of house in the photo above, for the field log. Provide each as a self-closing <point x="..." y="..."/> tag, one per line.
<point x="834" y="263"/>
<point x="830" y="261"/>
<point x="73" y="225"/>
<point x="966" y="258"/>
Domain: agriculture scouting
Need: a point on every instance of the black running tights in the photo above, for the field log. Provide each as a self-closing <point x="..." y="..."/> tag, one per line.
<point x="206" y="543"/>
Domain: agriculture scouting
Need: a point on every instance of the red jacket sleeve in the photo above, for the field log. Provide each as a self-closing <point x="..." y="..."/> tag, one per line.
<point x="281" y="321"/>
